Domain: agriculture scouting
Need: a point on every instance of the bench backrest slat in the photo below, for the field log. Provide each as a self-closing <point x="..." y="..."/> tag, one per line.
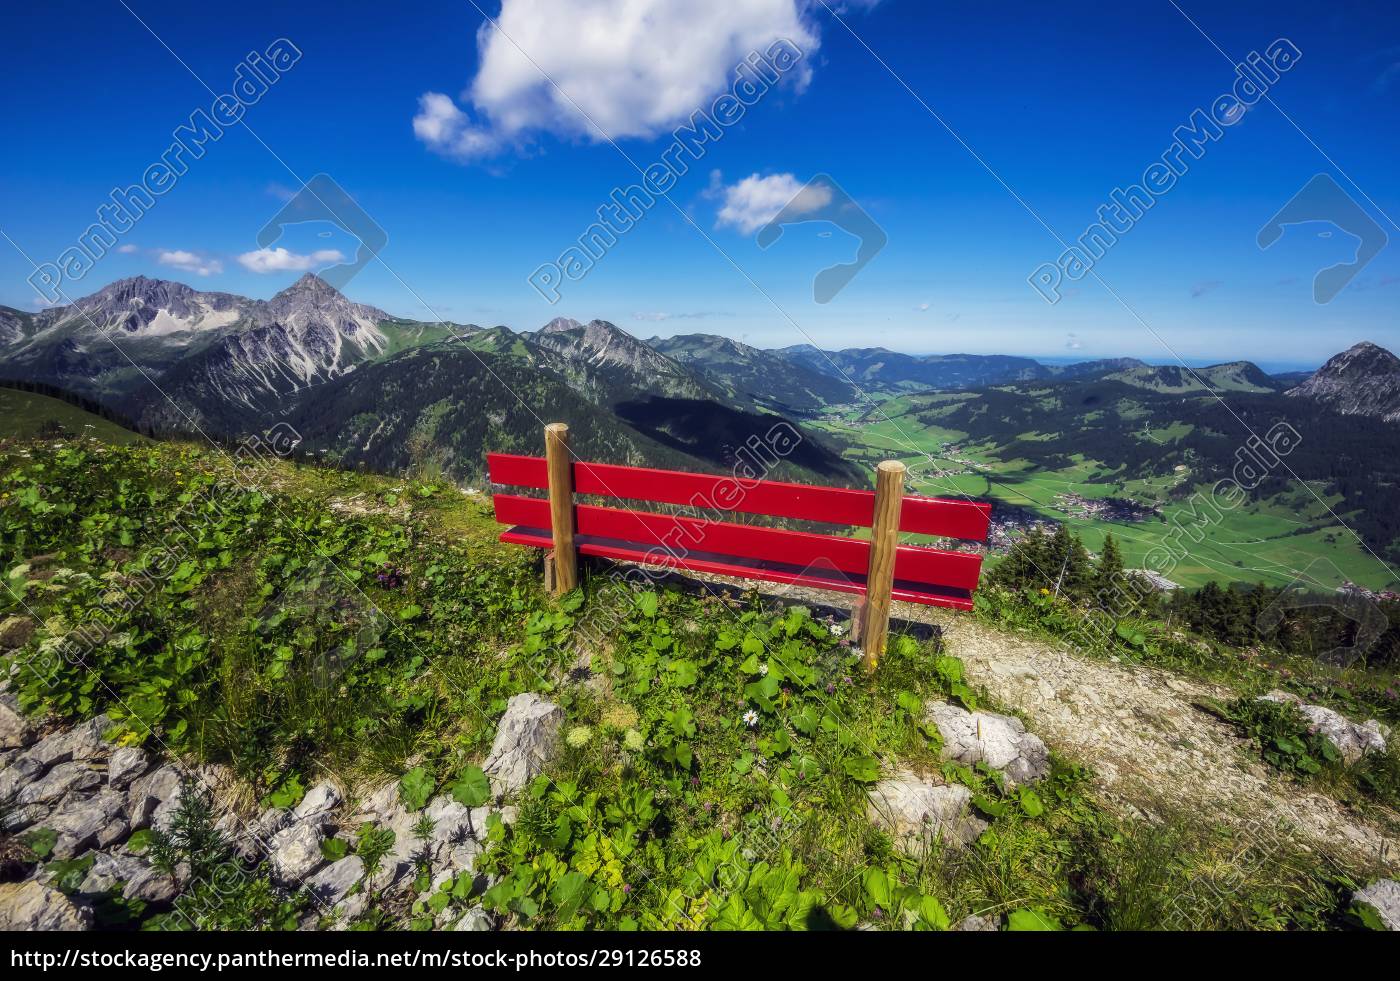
<point x="678" y="535"/>
<point x="708" y="494"/>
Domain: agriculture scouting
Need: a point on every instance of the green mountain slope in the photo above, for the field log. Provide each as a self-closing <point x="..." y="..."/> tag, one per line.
<point x="1171" y="444"/>
<point x="441" y="408"/>
<point x="764" y="377"/>
<point x="24" y="415"/>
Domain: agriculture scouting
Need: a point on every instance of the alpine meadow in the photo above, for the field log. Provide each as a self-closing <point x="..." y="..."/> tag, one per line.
<point x="949" y="512"/>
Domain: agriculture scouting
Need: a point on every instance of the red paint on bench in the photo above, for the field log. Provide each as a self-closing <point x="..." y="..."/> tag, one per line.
<point x="706" y="544"/>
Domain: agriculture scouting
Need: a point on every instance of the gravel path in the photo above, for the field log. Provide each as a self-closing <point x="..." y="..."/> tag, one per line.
<point x="1137" y="728"/>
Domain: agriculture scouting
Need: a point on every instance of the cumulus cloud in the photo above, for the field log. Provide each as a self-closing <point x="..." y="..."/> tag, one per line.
<point x="281" y="260"/>
<point x="128" y="249"/>
<point x="635" y="68"/>
<point x="450" y="131"/>
<point x="189" y="262"/>
<point x="755" y="201"/>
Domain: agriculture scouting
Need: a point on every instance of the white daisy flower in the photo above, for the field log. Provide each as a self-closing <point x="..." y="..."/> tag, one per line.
<point x="751" y="718"/>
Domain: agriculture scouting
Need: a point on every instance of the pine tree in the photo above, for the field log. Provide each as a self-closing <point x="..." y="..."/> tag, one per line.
<point x="1109" y="586"/>
<point x="1069" y="565"/>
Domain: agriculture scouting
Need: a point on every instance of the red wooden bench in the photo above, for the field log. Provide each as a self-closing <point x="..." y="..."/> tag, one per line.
<point x="931" y="576"/>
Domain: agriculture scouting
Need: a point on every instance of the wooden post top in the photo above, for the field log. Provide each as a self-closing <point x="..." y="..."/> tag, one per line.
<point x="557" y="427"/>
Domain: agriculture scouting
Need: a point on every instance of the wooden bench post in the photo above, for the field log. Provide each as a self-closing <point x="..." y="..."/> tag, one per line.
<point x="561" y="510"/>
<point x="879" y="582"/>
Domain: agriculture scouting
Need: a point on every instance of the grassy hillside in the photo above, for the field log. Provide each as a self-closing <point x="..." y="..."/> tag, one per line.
<point x="322" y="624"/>
<point x="1048" y="447"/>
<point x="27" y="414"/>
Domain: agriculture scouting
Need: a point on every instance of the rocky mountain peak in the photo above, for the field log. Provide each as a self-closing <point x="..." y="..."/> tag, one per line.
<point x="559" y="325"/>
<point x="313" y="295"/>
<point x="1363" y="380"/>
<point x="148" y="307"/>
<point x="311" y="285"/>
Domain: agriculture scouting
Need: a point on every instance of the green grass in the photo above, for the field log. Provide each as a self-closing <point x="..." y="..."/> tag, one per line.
<point x="27" y="415"/>
<point x="714" y="773"/>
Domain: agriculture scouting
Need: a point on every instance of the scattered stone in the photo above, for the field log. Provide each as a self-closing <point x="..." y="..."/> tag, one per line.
<point x="158" y="792"/>
<point x="82" y="742"/>
<point x="151" y="885"/>
<point x="976" y="924"/>
<point x="333" y="883"/>
<point x="1000" y="741"/>
<point x="348" y="909"/>
<point x="15" y="632"/>
<point x="136" y="876"/>
<point x="1353" y="740"/>
<point x="71" y="777"/>
<point x="452" y="822"/>
<point x="17" y="818"/>
<point x="252" y="839"/>
<point x="319" y="800"/>
<point x="476" y="920"/>
<point x="1382" y="896"/>
<point x="526" y="739"/>
<point x="272" y="820"/>
<point x="127" y="763"/>
<point x="462" y="857"/>
<point x="16" y="731"/>
<point x="83" y="822"/>
<point x="34" y="906"/>
<point x="380" y="805"/>
<point x="110" y="870"/>
<point x="296" y="851"/>
<point x="915" y="811"/>
<point x="396" y="868"/>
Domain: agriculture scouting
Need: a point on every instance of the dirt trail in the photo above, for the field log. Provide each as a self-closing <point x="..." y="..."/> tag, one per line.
<point x="1137" y="728"/>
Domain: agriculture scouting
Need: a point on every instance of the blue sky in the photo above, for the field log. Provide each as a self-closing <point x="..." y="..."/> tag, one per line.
<point x="1063" y="105"/>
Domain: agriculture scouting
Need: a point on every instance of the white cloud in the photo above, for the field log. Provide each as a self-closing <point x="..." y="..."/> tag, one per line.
<point x="128" y="249"/>
<point x="755" y="201"/>
<point x="449" y="130"/>
<point x="189" y="262"/>
<point x="922" y="307"/>
<point x="636" y="68"/>
<point x="280" y="260"/>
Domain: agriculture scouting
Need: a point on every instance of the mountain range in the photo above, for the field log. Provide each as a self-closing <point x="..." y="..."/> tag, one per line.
<point x="370" y="389"/>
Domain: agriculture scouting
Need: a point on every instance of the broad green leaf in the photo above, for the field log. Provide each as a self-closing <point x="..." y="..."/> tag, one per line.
<point x="473" y="788"/>
<point x="415" y="788"/>
<point x="866" y="769"/>
<point x="877" y="887"/>
<point x="1032" y="919"/>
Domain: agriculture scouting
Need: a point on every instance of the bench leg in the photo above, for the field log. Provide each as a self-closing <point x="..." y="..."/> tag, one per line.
<point x="551" y="573"/>
<point x="884" y="540"/>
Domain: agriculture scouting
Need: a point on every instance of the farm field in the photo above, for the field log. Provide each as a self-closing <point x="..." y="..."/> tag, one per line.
<point x="1277" y="541"/>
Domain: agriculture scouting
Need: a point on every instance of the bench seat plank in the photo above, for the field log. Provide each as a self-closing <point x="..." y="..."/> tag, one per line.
<point x="926" y="594"/>
<point x="649" y="531"/>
